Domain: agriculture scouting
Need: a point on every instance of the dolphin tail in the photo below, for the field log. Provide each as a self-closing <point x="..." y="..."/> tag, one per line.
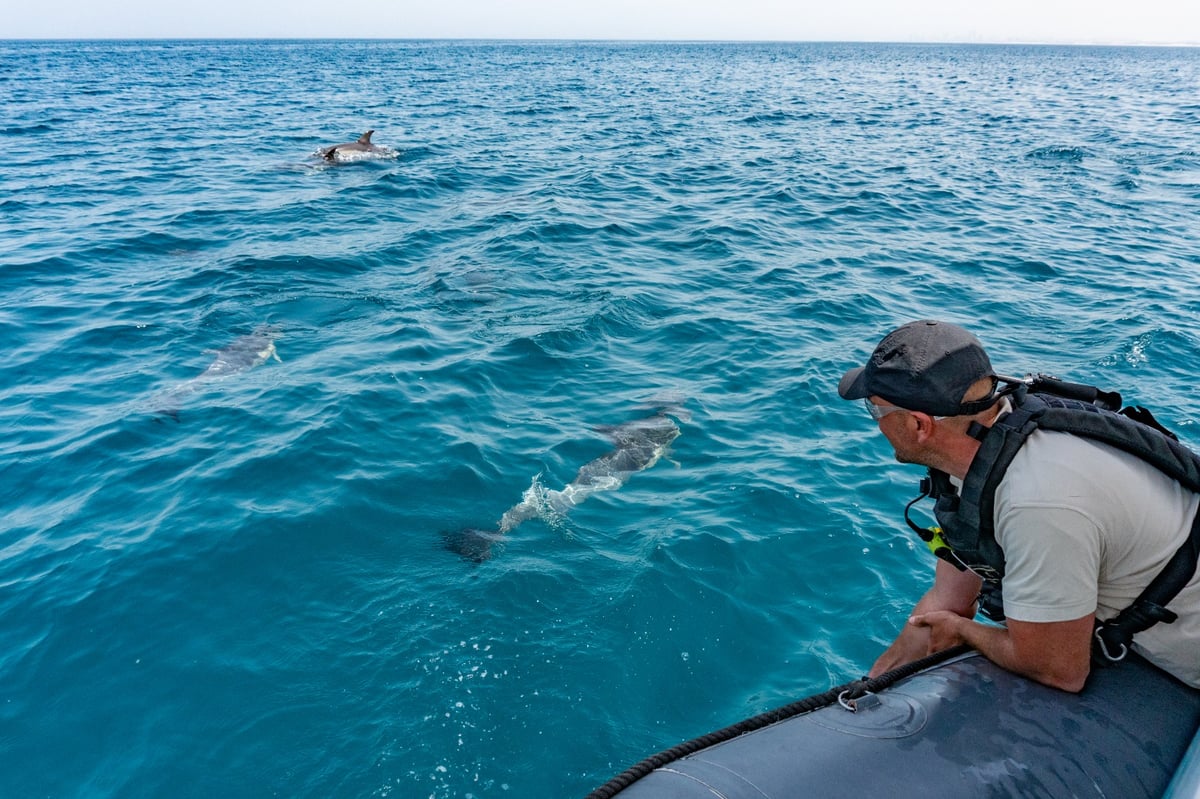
<point x="523" y="511"/>
<point x="472" y="543"/>
<point x="329" y="153"/>
<point x="170" y="404"/>
<point x="365" y="138"/>
<point x="533" y="504"/>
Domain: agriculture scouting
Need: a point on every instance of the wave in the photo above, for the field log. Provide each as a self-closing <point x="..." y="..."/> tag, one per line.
<point x="1064" y="154"/>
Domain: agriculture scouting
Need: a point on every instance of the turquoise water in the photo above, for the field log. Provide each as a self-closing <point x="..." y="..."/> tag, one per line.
<point x="251" y="596"/>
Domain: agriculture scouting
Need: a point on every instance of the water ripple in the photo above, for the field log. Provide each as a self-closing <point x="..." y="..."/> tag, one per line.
<point x="570" y="236"/>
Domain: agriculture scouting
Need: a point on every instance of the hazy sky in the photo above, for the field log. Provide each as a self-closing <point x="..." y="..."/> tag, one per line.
<point x="1076" y="21"/>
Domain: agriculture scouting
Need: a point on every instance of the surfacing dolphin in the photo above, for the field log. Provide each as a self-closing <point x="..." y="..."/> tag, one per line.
<point x="639" y="445"/>
<point x="363" y="145"/>
<point x="241" y="354"/>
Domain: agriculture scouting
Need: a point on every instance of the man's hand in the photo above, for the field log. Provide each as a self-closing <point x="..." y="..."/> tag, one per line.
<point x="945" y="628"/>
<point x="953" y="592"/>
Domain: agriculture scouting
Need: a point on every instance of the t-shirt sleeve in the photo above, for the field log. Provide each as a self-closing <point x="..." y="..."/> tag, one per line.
<point x="1052" y="559"/>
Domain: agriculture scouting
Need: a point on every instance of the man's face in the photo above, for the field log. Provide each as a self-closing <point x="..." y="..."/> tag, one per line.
<point x="897" y="427"/>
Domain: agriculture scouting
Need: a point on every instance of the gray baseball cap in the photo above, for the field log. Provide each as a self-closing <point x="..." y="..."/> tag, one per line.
<point x="923" y="366"/>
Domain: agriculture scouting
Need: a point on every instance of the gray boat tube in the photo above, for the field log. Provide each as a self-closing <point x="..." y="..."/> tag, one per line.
<point x="964" y="727"/>
<point x="1186" y="783"/>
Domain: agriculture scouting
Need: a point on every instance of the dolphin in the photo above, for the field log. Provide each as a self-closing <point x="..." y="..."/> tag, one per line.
<point x="244" y="352"/>
<point x="241" y="354"/>
<point x="639" y="445"/>
<point x="363" y="145"/>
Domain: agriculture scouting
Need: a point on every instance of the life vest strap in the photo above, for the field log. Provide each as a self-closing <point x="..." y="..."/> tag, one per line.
<point x="1114" y="636"/>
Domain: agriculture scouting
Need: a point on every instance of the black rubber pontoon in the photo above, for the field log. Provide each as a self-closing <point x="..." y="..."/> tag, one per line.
<point x="965" y="728"/>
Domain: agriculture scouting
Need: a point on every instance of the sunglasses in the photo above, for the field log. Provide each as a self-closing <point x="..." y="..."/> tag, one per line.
<point x="879" y="411"/>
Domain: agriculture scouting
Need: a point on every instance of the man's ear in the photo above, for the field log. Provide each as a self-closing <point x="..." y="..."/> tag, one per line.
<point x="924" y="425"/>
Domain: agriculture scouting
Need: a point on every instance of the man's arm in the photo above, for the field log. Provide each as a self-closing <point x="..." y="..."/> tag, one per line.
<point x="1055" y="653"/>
<point x="953" y="591"/>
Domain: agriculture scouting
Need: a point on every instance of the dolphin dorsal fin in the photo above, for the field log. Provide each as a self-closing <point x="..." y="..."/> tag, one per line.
<point x="365" y="138"/>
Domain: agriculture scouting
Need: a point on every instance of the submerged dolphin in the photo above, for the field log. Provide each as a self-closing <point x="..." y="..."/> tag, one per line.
<point x="244" y="352"/>
<point x="241" y="354"/>
<point x="363" y="145"/>
<point x="639" y="445"/>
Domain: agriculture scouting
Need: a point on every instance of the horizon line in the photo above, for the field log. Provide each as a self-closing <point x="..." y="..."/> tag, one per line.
<point x="596" y="40"/>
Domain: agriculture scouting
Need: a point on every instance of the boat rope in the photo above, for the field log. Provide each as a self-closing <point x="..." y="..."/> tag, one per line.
<point x="844" y="693"/>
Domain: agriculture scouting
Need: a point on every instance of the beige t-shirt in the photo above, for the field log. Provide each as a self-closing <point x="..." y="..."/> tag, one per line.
<point x="1085" y="527"/>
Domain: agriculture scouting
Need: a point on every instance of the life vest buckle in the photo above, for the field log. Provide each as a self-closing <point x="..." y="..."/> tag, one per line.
<point x="1102" y="646"/>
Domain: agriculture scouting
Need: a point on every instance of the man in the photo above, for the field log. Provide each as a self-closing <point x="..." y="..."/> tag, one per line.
<point x="1076" y="527"/>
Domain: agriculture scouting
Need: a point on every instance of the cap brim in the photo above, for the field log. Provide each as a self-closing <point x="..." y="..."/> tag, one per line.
<point x="854" y="384"/>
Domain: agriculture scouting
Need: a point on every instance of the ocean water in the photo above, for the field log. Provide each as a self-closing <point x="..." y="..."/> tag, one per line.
<point x="237" y="584"/>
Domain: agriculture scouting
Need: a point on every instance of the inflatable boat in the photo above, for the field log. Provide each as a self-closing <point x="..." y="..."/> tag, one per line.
<point x="963" y="727"/>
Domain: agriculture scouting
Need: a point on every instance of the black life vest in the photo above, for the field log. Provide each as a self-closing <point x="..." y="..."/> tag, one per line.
<point x="966" y="516"/>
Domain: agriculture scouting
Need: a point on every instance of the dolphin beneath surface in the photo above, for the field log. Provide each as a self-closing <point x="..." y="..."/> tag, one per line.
<point x="363" y="145"/>
<point x="244" y="352"/>
<point x="241" y="354"/>
<point x="639" y="445"/>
